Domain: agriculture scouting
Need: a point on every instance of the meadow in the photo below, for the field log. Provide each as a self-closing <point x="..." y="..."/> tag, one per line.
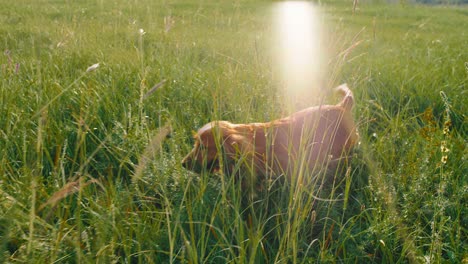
<point x="90" y="153"/>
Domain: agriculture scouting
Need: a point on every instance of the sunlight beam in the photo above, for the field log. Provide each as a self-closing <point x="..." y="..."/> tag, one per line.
<point x="298" y="55"/>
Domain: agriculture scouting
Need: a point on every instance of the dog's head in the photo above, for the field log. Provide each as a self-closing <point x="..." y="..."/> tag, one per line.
<point x="210" y="142"/>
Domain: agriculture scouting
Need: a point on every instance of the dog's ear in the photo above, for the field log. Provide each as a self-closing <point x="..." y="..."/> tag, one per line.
<point x="231" y="149"/>
<point x="232" y="144"/>
<point x="236" y="146"/>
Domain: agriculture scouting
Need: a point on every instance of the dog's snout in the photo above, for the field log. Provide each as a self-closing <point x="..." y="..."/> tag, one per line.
<point x="191" y="164"/>
<point x="187" y="162"/>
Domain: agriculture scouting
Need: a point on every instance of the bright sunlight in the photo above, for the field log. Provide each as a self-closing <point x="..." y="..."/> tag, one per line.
<point x="298" y="54"/>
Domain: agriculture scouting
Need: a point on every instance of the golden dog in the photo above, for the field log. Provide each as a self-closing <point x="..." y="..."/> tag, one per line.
<point x="311" y="138"/>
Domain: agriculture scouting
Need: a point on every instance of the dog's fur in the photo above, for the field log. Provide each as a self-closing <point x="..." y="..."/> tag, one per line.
<point x="311" y="138"/>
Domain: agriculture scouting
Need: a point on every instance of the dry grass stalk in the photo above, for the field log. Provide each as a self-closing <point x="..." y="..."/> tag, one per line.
<point x="168" y="23"/>
<point x="153" y="147"/>
<point x="154" y="88"/>
<point x="68" y="189"/>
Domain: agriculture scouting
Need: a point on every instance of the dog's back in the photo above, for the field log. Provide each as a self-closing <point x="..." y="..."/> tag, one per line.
<point x="320" y="133"/>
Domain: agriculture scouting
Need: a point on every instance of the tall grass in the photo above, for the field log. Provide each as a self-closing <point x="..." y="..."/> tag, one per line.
<point x="88" y="175"/>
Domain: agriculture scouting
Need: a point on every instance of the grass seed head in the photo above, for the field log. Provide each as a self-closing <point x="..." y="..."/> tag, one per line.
<point x="92" y="67"/>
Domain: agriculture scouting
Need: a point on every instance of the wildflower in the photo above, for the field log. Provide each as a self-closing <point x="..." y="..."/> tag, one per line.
<point x="446" y="130"/>
<point x="444" y="159"/>
<point x="444" y="149"/>
<point x="142" y="32"/>
<point x="92" y="67"/>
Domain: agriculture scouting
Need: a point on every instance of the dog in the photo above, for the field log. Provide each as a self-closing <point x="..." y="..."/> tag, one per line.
<point x="311" y="138"/>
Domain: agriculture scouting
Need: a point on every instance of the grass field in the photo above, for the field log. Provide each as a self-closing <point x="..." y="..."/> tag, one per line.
<point x="87" y="174"/>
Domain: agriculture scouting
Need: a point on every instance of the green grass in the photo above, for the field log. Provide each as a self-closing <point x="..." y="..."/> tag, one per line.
<point x="86" y="178"/>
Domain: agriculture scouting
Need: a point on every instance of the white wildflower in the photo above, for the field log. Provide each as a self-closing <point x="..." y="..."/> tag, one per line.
<point x="444" y="149"/>
<point x="444" y="159"/>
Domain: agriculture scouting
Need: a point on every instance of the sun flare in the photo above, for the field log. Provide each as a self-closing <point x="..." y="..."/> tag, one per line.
<point x="297" y="50"/>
